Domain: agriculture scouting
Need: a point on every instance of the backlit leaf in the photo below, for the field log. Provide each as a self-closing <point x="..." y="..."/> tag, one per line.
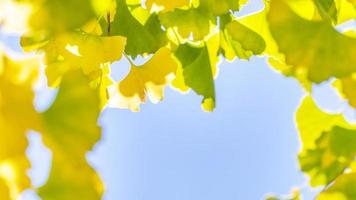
<point x="238" y="40"/>
<point x="141" y="39"/>
<point x="328" y="143"/>
<point x="198" y="68"/>
<point x="17" y="117"/>
<point x="342" y="189"/>
<point x="70" y="131"/>
<point x="71" y="51"/>
<point x="314" y="47"/>
<point x="148" y="79"/>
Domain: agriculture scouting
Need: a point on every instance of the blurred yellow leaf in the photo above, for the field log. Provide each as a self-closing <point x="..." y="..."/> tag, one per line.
<point x="17" y="116"/>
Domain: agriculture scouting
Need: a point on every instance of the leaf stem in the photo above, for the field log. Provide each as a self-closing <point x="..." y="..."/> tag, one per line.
<point x="108" y="18"/>
<point x="129" y="59"/>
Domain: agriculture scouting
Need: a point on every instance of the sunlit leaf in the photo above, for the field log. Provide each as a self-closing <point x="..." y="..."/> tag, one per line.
<point x="148" y="79"/>
<point x="328" y="143"/>
<point x="342" y="189"/>
<point x="71" y="51"/>
<point x="198" y="68"/>
<point x="195" y="22"/>
<point x="61" y="15"/>
<point x="141" y="39"/>
<point x="314" y="47"/>
<point x="238" y="40"/>
<point x="70" y="131"/>
<point x="17" y="117"/>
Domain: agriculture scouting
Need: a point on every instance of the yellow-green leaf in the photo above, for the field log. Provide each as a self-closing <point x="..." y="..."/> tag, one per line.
<point x="70" y="131"/>
<point x="342" y="189"/>
<point x="238" y="40"/>
<point x="315" y="47"/>
<point x="328" y="143"/>
<point x="198" y="68"/>
<point x="61" y="15"/>
<point x="89" y="52"/>
<point x="141" y="38"/>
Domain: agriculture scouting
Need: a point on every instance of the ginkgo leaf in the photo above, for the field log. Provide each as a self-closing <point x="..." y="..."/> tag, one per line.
<point x="71" y="51"/>
<point x="334" y="152"/>
<point x="198" y="68"/>
<point x="238" y="40"/>
<point x="342" y="189"/>
<point x="17" y="116"/>
<point x="166" y="5"/>
<point x="141" y="39"/>
<point x="257" y="22"/>
<point x="148" y="79"/>
<point x="61" y="15"/>
<point x="194" y="22"/>
<point x="312" y="122"/>
<point x="70" y="131"/>
<point x="328" y="143"/>
<point x="315" y="47"/>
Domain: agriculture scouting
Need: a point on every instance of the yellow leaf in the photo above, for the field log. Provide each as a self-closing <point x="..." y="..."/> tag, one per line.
<point x="148" y="79"/>
<point x="17" y="116"/>
<point x="89" y="52"/>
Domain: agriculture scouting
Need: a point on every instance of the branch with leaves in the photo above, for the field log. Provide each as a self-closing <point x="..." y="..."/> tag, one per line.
<point x="77" y="40"/>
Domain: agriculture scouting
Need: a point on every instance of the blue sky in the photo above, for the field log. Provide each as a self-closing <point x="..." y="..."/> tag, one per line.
<point x="173" y="150"/>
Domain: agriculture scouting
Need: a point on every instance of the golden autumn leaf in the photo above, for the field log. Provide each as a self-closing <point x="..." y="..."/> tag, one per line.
<point x="17" y="117"/>
<point x="146" y="80"/>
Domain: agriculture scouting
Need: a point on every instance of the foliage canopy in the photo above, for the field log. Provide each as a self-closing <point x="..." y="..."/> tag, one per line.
<point x="75" y="41"/>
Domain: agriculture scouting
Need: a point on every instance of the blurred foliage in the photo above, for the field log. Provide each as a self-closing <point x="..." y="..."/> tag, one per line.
<point x="74" y="43"/>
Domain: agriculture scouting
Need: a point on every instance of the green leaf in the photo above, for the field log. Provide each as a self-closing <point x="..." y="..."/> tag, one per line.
<point x="195" y="22"/>
<point x="198" y="72"/>
<point x="314" y="47"/>
<point x="238" y="40"/>
<point x="328" y="143"/>
<point x="70" y="131"/>
<point x="141" y="39"/>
